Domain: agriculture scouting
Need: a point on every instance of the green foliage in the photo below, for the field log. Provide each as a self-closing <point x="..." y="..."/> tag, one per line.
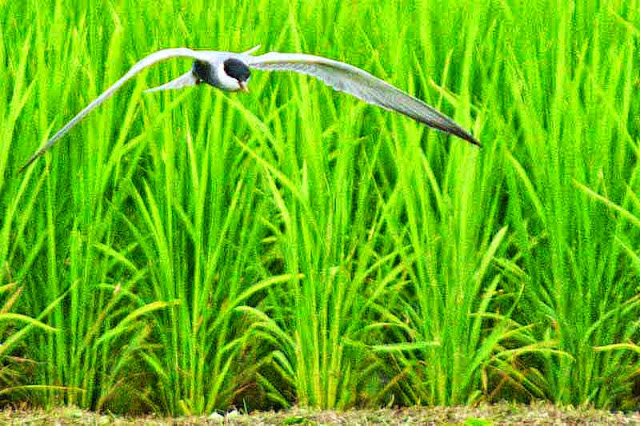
<point x="185" y="252"/>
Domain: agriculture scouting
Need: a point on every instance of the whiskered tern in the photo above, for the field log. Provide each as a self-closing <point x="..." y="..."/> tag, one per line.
<point x="232" y="71"/>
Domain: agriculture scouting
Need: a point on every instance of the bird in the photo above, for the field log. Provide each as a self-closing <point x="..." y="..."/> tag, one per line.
<point x="232" y="71"/>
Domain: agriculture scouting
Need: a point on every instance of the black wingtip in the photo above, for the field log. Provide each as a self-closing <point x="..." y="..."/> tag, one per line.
<point x="33" y="158"/>
<point x="445" y="124"/>
<point x="473" y="140"/>
<point x="463" y="134"/>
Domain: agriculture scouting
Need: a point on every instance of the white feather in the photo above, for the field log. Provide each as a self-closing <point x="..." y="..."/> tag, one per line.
<point x="185" y="80"/>
<point x="359" y="83"/>
<point x="144" y="63"/>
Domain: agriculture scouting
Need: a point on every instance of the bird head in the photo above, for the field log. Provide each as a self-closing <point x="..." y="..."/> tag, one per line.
<point x="239" y="71"/>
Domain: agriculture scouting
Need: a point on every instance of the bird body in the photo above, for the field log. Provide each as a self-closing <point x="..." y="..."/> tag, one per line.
<point x="231" y="72"/>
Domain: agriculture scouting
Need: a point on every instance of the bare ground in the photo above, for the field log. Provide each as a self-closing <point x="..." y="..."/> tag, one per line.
<point x="502" y="413"/>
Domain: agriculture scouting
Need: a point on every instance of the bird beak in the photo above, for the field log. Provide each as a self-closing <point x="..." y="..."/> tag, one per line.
<point x="243" y="86"/>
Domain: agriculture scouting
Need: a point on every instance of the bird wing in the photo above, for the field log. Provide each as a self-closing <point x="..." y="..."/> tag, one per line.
<point x="146" y="62"/>
<point x="359" y="83"/>
<point x="185" y="80"/>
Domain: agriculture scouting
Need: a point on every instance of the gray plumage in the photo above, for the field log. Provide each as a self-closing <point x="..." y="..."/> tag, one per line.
<point x="359" y="83"/>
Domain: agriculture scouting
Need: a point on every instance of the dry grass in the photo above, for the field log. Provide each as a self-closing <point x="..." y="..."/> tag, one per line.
<point x="502" y="413"/>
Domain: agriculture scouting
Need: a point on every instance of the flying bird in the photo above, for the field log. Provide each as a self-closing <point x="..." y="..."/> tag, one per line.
<point x="231" y="72"/>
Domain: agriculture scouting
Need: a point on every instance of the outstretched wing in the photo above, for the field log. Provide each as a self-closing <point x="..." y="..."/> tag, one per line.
<point x="148" y="61"/>
<point x="359" y="83"/>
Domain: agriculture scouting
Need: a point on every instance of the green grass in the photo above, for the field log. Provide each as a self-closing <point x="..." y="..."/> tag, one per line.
<point x="183" y="252"/>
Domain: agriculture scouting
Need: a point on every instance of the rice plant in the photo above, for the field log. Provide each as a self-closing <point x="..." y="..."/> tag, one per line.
<point x="189" y="251"/>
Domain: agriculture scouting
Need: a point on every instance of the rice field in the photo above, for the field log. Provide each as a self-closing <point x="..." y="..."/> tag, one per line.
<point x="189" y="251"/>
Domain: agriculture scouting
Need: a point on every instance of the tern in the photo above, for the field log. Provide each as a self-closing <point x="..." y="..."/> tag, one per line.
<point x="231" y="72"/>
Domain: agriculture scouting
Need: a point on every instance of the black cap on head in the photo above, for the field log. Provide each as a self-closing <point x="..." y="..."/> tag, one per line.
<point x="237" y="69"/>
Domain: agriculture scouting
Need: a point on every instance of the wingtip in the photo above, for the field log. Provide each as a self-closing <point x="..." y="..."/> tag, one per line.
<point x="463" y="134"/>
<point x="474" y="141"/>
<point x="28" y="163"/>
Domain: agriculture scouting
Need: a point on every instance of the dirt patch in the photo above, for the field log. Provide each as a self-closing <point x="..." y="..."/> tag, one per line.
<point x="482" y="415"/>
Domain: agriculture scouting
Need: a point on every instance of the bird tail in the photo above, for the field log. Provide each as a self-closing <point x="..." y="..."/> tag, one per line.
<point x="185" y="80"/>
